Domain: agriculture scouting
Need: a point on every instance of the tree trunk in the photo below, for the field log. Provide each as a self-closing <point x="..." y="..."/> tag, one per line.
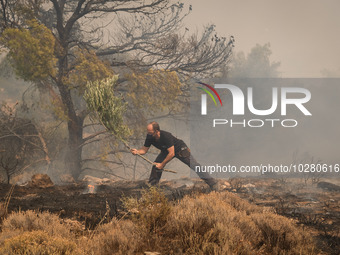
<point x="73" y="157"/>
<point x="75" y="133"/>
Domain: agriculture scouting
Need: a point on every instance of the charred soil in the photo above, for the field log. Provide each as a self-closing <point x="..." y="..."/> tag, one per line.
<point x="314" y="207"/>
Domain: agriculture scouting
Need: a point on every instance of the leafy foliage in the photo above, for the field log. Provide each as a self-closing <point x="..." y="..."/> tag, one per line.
<point x="31" y="50"/>
<point x="154" y="90"/>
<point x="87" y="68"/>
<point x="100" y="97"/>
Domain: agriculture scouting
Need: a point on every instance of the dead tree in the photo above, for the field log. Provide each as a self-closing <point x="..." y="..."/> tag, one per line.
<point x="22" y="146"/>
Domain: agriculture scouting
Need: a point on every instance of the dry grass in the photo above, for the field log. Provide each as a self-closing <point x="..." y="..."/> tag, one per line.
<point x="225" y="224"/>
<point x="116" y="237"/>
<point x="4" y="205"/>
<point x="38" y="242"/>
<point x="151" y="211"/>
<point x="217" y="223"/>
<point x="31" y="221"/>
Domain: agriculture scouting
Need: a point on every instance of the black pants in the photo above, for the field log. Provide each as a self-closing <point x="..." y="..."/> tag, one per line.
<point x="187" y="159"/>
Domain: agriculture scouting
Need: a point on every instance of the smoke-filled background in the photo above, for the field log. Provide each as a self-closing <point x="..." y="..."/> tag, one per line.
<point x="304" y="35"/>
<point x="314" y="140"/>
<point x="304" y="38"/>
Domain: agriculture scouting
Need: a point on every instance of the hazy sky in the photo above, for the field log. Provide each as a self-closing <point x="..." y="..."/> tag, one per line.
<point x="304" y="34"/>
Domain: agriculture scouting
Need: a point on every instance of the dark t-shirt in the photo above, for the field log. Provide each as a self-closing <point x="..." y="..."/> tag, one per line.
<point x="165" y="141"/>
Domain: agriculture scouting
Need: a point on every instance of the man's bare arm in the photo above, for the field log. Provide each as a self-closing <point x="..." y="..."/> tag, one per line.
<point x="169" y="157"/>
<point x="141" y="151"/>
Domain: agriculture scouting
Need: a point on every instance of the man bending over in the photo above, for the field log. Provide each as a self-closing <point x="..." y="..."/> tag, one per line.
<point x="170" y="147"/>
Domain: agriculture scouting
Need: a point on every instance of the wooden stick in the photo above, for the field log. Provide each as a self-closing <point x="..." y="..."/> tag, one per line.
<point x="148" y="160"/>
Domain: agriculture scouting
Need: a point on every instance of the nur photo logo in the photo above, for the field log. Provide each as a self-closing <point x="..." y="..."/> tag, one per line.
<point x="280" y="99"/>
<point x="204" y="97"/>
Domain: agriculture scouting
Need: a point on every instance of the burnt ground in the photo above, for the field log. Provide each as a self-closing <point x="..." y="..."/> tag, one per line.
<point x="316" y="207"/>
<point x="80" y="202"/>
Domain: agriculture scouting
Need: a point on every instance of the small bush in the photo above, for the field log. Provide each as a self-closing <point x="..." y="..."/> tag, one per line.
<point x="150" y="211"/>
<point x="236" y="183"/>
<point x="208" y="224"/>
<point x="37" y="243"/>
<point x="116" y="237"/>
<point x="279" y="235"/>
<point x="222" y="223"/>
<point x="30" y="221"/>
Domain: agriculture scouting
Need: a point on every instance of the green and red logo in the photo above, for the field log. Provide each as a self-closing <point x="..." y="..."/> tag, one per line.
<point x="204" y="97"/>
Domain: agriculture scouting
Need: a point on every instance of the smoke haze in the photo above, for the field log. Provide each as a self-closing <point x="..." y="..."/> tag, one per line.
<point x="304" y="35"/>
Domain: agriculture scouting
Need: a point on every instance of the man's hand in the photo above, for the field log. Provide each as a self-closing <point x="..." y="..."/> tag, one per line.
<point x="159" y="166"/>
<point x="134" y="151"/>
<point x="141" y="151"/>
